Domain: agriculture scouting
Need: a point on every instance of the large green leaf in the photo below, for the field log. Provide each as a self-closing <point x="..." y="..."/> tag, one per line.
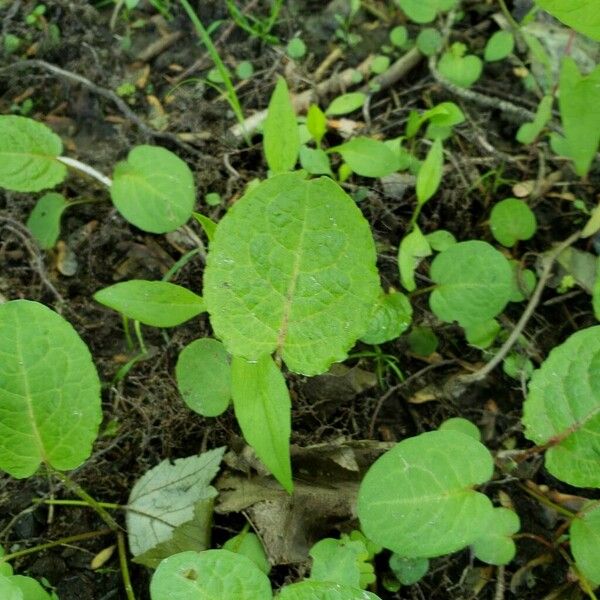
<point x="579" y="103"/>
<point x="264" y="412"/>
<point x="153" y="189"/>
<point x="585" y="542"/>
<point x="204" y="377"/>
<point x="8" y="589"/>
<point x="318" y="590"/>
<point x="292" y="270"/>
<point x="281" y="140"/>
<point x="49" y="391"/>
<point x="165" y="498"/>
<point x="582" y="15"/>
<point x="417" y="499"/>
<point x="156" y="303"/>
<point x="391" y="318"/>
<point x="28" y="155"/>
<point x="209" y="575"/>
<point x="563" y="408"/>
<point x="474" y="283"/>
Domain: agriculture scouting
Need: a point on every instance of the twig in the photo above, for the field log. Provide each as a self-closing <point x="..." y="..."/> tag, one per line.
<point x="105" y="93"/>
<point x="500" y="585"/>
<point x="527" y="313"/>
<point x="84" y="168"/>
<point x="159" y="46"/>
<point x="399" y="69"/>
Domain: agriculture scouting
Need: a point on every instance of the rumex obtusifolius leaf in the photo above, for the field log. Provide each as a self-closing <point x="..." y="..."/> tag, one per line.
<point x="417" y="499"/>
<point x="563" y="407"/>
<point x="292" y="270"/>
<point x="28" y="155"/>
<point x="50" y="406"/>
<point x="207" y="575"/>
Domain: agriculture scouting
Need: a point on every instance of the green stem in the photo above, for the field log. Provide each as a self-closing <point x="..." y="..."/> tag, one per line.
<point x="220" y="66"/>
<point x="108" y="505"/>
<point x="140" y="338"/>
<point x="546" y="501"/>
<point x="127" y="331"/>
<point x="81" y="537"/>
<point x="124" y="566"/>
<point x="184" y="260"/>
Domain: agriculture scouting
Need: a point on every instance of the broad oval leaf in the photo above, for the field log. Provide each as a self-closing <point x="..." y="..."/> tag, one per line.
<point x="292" y="269"/>
<point x="209" y="575"/>
<point x="203" y="377"/>
<point x="165" y="497"/>
<point x="474" y="283"/>
<point x="44" y="220"/>
<point x="8" y="589"/>
<point x="319" y="590"/>
<point x="511" y="220"/>
<point x="155" y="303"/>
<point x="346" y="103"/>
<point x="368" y="157"/>
<point x="497" y="547"/>
<point x="281" y="140"/>
<point x="153" y="189"/>
<point x="499" y="46"/>
<point x="424" y="11"/>
<point x="585" y="541"/>
<point x="29" y="587"/>
<point x="49" y="391"/>
<point x="28" y="155"/>
<point x="417" y="499"/>
<point x="582" y="15"/>
<point x="264" y="412"/>
<point x="563" y="406"/>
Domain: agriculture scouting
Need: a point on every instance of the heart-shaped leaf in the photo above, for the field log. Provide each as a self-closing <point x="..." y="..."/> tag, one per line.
<point x="49" y="391"/>
<point x="459" y="69"/>
<point x="497" y="547"/>
<point x="418" y="498"/>
<point x="300" y="280"/>
<point x="563" y="408"/>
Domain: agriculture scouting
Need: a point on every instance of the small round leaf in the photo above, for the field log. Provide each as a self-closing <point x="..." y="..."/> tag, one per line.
<point x="512" y="220"/>
<point x="499" y="46"/>
<point x="153" y="189"/>
<point x="209" y="574"/>
<point x="462" y="426"/>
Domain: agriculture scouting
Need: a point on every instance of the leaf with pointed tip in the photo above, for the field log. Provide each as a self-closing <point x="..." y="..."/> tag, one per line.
<point x="28" y="155"/>
<point x="264" y="412"/>
<point x="49" y="391"/>
<point x="368" y="157"/>
<point x="418" y="498"/>
<point x="44" y="220"/>
<point x="414" y="247"/>
<point x="563" y="407"/>
<point x="209" y="575"/>
<point x="292" y="270"/>
<point x="156" y="303"/>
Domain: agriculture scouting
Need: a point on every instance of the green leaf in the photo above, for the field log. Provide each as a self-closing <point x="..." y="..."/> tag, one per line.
<point x="585" y="541"/>
<point x="301" y="281"/>
<point x="244" y="69"/>
<point x="44" y="220"/>
<point x="316" y="122"/>
<point x="207" y="224"/>
<point x="281" y="140"/>
<point x="203" y="377"/>
<point x="380" y="64"/>
<point x="424" y="11"/>
<point x="474" y="283"/>
<point x="155" y="303"/>
<point x="296" y="48"/>
<point x="368" y="157"/>
<point x="413" y="249"/>
<point x="563" y="406"/>
<point x="581" y="126"/>
<point x="153" y="189"/>
<point x="582" y="15"/>
<point x="442" y="119"/>
<point x="49" y="391"/>
<point x="28" y="155"/>
<point x="339" y="561"/>
<point x="251" y="547"/>
<point x="315" y="161"/>
<point x="8" y="590"/>
<point x="320" y="590"/>
<point x="463" y="71"/>
<point x="30" y="588"/>
<point x="496" y="546"/>
<point x="440" y="240"/>
<point x="165" y="498"/>
<point x="422" y="341"/>
<point x="408" y="570"/>
<point x="429" y="41"/>
<point x="346" y="103"/>
<point x="5" y="568"/>
<point x="528" y="132"/>
<point x="524" y="281"/>
<point x="417" y="499"/>
<point x="399" y="36"/>
<point x="430" y="173"/>
<point x="264" y="412"/>
<point x="462" y="426"/>
<point x="512" y="220"/>
<point x="499" y="46"/>
<point x="483" y="333"/>
<point x="209" y="575"/>
<point x="391" y="318"/>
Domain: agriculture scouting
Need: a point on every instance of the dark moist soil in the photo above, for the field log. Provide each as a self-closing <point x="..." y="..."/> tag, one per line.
<point x="146" y="420"/>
